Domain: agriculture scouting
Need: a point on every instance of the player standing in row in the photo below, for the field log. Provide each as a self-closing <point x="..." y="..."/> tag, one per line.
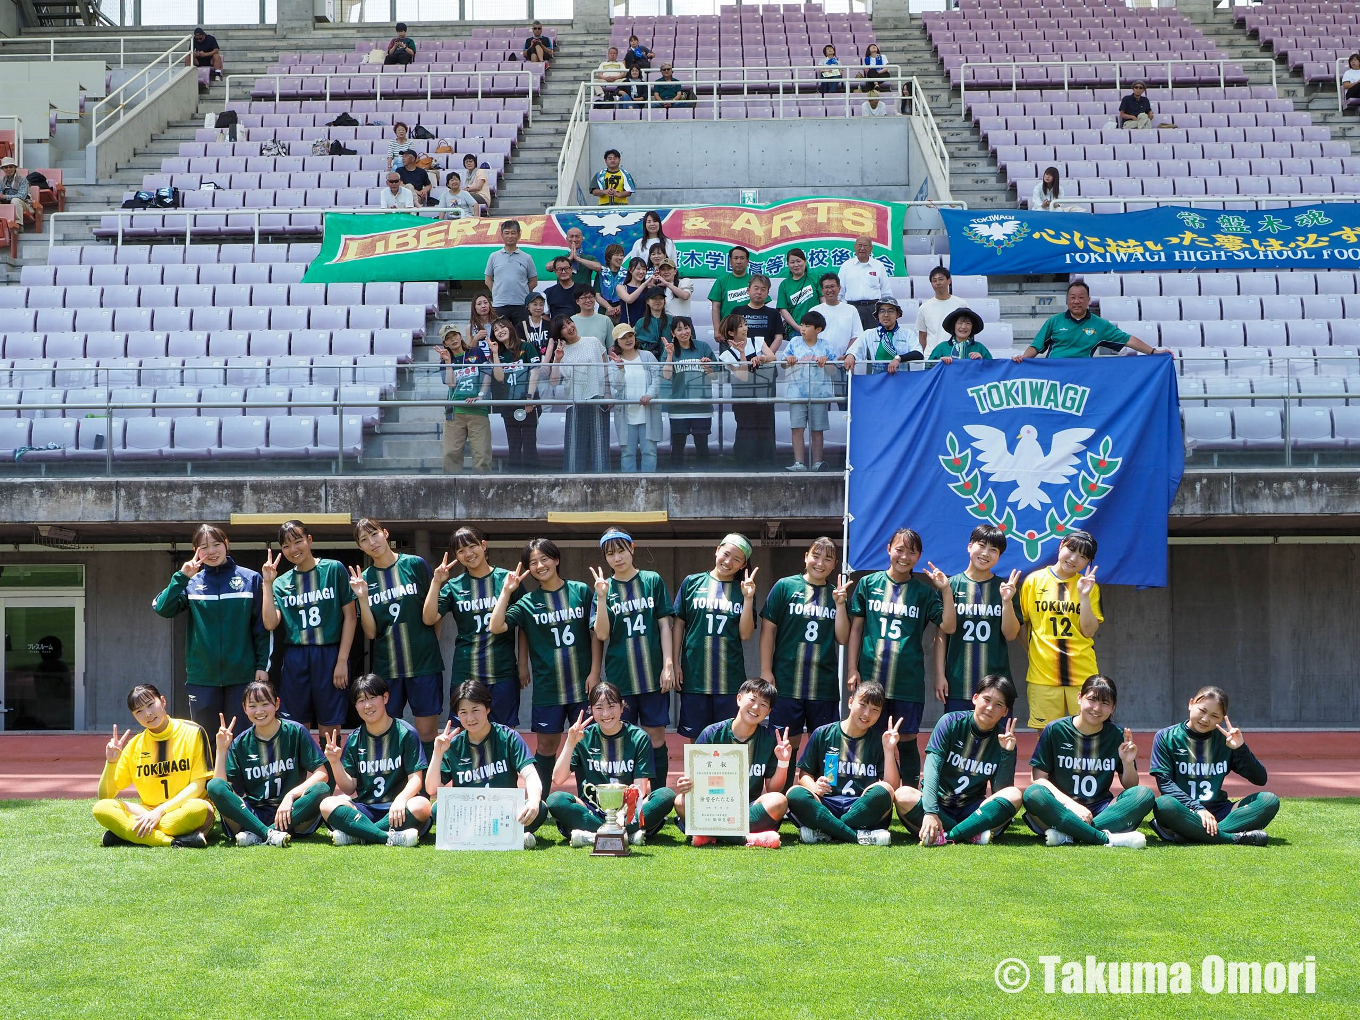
<point x="226" y="646"/>
<point x="967" y="752"/>
<point x="714" y="614"/>
<point x="391" y="596"/>
<point x="988" y="617"/>
<point x="847" y="776"/>
<point x="478" y="654"/>
<point x="889" y="611"/>
<point x="315" y="605"/>
<point x="1074" y="763"/>
<point x="1061" y="604"/>
<point x="803" y="621"/>
<point x="484" y="753"/>
<point x="632" y="618"/>
<point x="605" y="749"/>
<point x="563" y="652"/>
<point x="269" y="780"/>
<point x="1190" y="761"/>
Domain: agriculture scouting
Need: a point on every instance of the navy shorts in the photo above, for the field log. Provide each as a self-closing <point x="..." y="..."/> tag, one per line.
<point x="556" y="718"/>
<point x="803" y="715"/>
<point x="504" y="702"/>
<point x="306" y="688"/>
<point x="698" y="711"/>
<point x="650" y="708"/>
<point x="377" y="814"/>
<point x="425" y="695"/>
<point x="908" y="711"/>
<point x="206" y="702"/>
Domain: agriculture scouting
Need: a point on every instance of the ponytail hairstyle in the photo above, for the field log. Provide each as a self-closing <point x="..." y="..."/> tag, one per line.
<point x="142" y="695"/>
<point x="467" y="535"/>
<point x="1215" y="694"/>
<point x="910" y="535"/>
<point x="1100" y="687"/>
<point x="260" y="690"/>
<point x="607" y="693"/>
<point x="368" y="526"/>
<point x="204" y="532"/>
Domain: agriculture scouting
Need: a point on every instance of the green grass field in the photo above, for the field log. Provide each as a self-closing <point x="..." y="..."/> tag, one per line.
<point x="801" y="932"/>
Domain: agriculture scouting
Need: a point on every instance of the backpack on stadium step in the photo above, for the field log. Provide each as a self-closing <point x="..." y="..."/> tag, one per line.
<point x="339" y="150"/>
<point x="344" y="120"/>
<point x="421" y="131"/>
<point x="37" y="180"/>
<point x="321" y="147"/>
<point x="273" y="147"/>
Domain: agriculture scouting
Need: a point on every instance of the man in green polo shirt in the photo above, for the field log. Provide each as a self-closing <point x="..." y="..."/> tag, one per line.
<point x="1076" y="333"/>
<point x="730" y="291"/>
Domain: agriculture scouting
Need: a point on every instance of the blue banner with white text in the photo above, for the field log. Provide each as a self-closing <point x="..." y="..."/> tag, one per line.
<point x="1038" y="449"/>
<point x="1163" y="239"/>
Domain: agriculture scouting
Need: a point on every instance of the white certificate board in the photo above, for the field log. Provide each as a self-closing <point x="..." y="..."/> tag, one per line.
<point x="478" y="818"/>
<point x="718" y="803"/>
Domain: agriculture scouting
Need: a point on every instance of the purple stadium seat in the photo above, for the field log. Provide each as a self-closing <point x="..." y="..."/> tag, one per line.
<point x="290" y="370"/>
<point x="144" y="439"/>
<point x="178" y="395"/>
<point x="291" y="435"/>
<point x="195" y="438"/>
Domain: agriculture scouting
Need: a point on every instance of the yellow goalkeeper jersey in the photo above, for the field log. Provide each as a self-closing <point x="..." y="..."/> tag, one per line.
<point x="160" y="765"/>
<point x="1059" y="654"/>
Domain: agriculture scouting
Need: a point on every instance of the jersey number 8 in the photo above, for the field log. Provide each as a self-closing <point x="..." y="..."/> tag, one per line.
<point x="813" y="629"/>
<point x="311" y="617"/>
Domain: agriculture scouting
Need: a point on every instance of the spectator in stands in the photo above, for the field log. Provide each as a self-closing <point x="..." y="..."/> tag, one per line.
<point x="654" y="328"/>
<point x="465" y="425"/>
<point x="678" y="292"/>
<point x="652" y="233"/>
<point x="798" y="292"/>
<point x="1048" y="193"/>
<point x="538" y="48"/>
<point x="610" y="71"/>
<point x="638" y="56"/>
<point x="591" y="323"/>
<point x="476" y="181"/>
<point x="1350" y="78"/>
<point x="688" y="364"/>
<point x="613" y="185"/>
<point x="607" y="280"/>
<point x="753" y="351"/>
<point x="809" y="375"/>
<point x="669" y="92"/>
<point x="633" y="290"/>
<point x="206" y="53"/>
<point x="583" y="269"/>
<point x="830" y="74"/>
<point x="578" y="366"/>
<point x="479" y="325"/>
<point x="930" y="316"/>
<point x="400" y="50"/>
<point x="398" y="144"/>
<point x="511" y="275"/>
<point x="414" y="177"/>
<point x="841" y="320"/>
<point x="963" y="325"/>
<point x="865" y="281"/>
<point x="561" y="296"/>
<point x="731" y="290"/>
<point x="14" y="191"/>
<point x="535" y="326"/>
<point x="873" y="64"/>
<point x="397" y="195"/>
<point x="887" y="341"/>
<point x="905" y="103"/>
<point x="1134" y="109"/>
<point x="515" y="377"/>
<point x="1077" y="332"/>
<point x="873" y="105"/>
<point x="457" y="199"/>
<point x="634" y="91"/>
<point x="635" y="378"/>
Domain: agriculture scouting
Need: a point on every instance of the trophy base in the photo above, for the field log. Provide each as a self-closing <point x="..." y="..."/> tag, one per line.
<point x="611" y="844"/>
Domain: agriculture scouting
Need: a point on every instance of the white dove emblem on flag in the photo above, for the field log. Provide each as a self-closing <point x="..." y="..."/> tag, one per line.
<point x="1028" y="466"/>
<point x="997" y="231"/>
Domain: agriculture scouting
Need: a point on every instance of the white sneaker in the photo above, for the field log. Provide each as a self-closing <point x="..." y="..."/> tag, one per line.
<point x="797" y="466"/>
<point x="530" y="842"/>
<point x="810" y="835"/>
<point x="279" y="838"/>
<point x="247" y="838"/>
<point x="982" y="838"/>
<point x="1132" y="840"/>
<point x="819" y="465"/>
<point x="403" y="837"/>
<point x="344" y="838"/>
<point x="1054" y="837"/>
<point x="874" y="837"/>
<point x="579" y="838"/>
<point x="638" y="838"/>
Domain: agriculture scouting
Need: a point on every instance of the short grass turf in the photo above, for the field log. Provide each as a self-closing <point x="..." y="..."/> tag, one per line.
<point x="802" y="932"/>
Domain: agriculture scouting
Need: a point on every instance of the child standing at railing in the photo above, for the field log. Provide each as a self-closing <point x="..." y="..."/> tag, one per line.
<point x="809" y="377"/>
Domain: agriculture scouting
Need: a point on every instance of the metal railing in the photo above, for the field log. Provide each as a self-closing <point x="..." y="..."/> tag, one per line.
<point x="110" y="111"/>
<point x="378" y="81"/>
<point x="1016" y="68"/>
<point x="573" y="146"/>
<point x="86" y="47"/>
<point x="920" y="112"/>
<point x="18" y="135"/>
<point x="1255" y="201"/>
<point x="761" y="74"/>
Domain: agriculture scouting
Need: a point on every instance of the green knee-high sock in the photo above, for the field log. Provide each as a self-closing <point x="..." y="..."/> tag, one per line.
<point x="661" y="765"/>
<point x="570" y="814"/>
<point x="809" y="811"/>
<point x="232" y="809"/>
<point x="914" y="818"/>
<point x="538" y="819"/>
<point x="871" y="811"/>
<point x="1127" y="811"/>
<point x="1172" y="814"/>
<point x="543" y="763"/>
<point x="993" y="813"/>
<point x="909" y="760"/>
<point x="348" y="820"/>
<point x="654" y="811"/>
<point x="1051" y="813"/>
<point x="760" y="821"/>
<point x="428" y="747"/>
<point x="1253" y="811"/>
<point x="307" y="808"/>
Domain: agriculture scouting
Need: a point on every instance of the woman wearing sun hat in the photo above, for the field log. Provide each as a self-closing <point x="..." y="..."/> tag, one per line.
<point x="962" y="327"/>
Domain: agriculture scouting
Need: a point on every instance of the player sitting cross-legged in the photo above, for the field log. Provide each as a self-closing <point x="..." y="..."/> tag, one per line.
<point x="967" y="752"/>
<point x="168" y="763"/>
<point x="847" y="776"/>
<point x="378" y="776"/>
<point x="268" y="781"/>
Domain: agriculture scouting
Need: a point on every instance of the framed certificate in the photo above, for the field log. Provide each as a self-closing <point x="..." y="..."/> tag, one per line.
<point x="718" y="803"/>
<point x="477" y="818"/>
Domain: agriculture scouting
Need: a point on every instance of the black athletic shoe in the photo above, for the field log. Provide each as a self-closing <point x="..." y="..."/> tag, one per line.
<point x="110" y="839"/>
<point x="1252" y="837"/>
<point x="1166" y="834"/>
<point x="193" y="841"/>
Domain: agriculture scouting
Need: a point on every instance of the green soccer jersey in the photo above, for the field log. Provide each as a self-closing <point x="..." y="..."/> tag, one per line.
<point x="556" y="624"/>
<point x="712" y="656"/>
<point x="381" y="765"/>
<point x="496" y="762"/>
<point x="1080" y="766"/>
<point x="804" y="618"/>
<point x="477" y="653"/>
<point x="895" y="617"/>
<point x="732" y="291"/>
<point x="861" y="758"/>
<point x="960" y="761"/>
<point x="404" y="647"/>
<point x="977" y="648"/>
<point x="1191" y="766"/>
<point x="761" y="743"/>
<point x="262" y="771"/>
<point x="1065" y="337"/>
<point x="625" y="756"/>
<point x="798" y="296"/>
<point x="633" y="657"/>
<point x="311" y="602"/>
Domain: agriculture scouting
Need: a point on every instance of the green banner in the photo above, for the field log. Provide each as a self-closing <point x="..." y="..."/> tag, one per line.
<point x="363" y="247"/>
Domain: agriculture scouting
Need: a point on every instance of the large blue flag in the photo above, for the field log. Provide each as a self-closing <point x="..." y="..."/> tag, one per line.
<point x="1039" y="449"/>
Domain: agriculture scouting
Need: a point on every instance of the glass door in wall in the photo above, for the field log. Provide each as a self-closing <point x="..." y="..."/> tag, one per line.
<point x="44" y="658"/>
